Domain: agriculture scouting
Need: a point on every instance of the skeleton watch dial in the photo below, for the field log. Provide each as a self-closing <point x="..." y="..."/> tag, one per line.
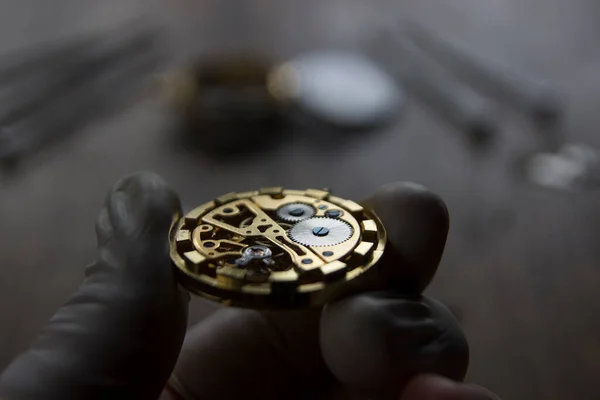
<point x="275" y="248"/>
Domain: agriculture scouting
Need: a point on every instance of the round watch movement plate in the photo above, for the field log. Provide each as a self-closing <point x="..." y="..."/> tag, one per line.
<point x="275" y="248"/>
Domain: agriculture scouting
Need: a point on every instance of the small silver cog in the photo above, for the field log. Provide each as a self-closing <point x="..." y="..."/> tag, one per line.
<point x="295" y="212"/>
<point x="320" y="231"/>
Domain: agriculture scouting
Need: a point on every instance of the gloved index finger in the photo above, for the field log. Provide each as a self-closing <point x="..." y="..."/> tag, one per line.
<point x="120" y="334"/>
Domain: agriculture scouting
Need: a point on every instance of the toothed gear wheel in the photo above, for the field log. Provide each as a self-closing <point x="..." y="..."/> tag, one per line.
<point x="246" y="249"/>
<point x="320" y="231"/>
<point x="295" y="212"/>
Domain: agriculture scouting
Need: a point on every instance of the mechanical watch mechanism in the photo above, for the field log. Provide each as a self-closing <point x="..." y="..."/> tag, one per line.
<point x="275" y="248"/>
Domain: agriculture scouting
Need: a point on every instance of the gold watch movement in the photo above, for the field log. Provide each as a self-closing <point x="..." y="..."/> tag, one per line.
<point x="275" y="248"/>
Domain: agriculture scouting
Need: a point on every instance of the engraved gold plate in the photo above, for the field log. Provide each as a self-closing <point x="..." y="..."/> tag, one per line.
<point x="275" y="248"/>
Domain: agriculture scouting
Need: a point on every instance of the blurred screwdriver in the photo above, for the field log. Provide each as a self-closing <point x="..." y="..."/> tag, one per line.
<point x="535" y="96"/>
<point x="46" y="58"/>
<point x="42" y="57"/>
<point x="83" y="93"/>
<point x="73" y="109"/>
<point x="78" y="67"/>
<point x="437" y="88"/>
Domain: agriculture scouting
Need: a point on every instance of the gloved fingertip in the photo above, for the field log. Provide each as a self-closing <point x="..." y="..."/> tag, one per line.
<point x="103" y="227"/>
<point x="376" y="342"/>
<point x="417" y="224"/>
<point x="142" y="202"/>
<point x="435" y="387"/>
<point x="151" y="190"/>
<point x="397" y="201"/>
<point x="393" y="187"/>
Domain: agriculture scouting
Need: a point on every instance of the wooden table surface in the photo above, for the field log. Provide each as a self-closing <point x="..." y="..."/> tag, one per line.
<point x="521" y="269"/>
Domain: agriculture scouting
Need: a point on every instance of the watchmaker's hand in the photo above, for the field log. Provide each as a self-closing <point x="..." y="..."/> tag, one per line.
<point x="119" y="335"/>
<point x="383" y="344"/>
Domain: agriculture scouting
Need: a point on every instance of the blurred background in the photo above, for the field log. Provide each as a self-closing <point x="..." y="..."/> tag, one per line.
<point x="493" y="104"/>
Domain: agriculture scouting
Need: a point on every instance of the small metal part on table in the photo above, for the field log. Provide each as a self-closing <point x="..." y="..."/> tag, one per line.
<point x="241" y="250"/>
<point x="575" y="167"/>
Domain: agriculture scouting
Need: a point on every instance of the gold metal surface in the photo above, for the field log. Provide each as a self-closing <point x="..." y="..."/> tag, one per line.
<point x="237" y="251"/>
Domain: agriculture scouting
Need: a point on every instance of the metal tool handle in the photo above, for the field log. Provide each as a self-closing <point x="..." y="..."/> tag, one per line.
<point x="75" y="70"/>
<point x="535" y="96"/>
<point x="439" y="89"/>
<point x="78" y="104"/>
<point x="43" y="58"/>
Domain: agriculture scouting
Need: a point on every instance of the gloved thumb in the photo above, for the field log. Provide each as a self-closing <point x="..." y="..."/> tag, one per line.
<point x="120" y="334"/>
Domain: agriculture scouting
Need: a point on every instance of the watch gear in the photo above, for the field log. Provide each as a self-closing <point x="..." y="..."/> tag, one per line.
<point x="320" y="231"/>
<point x="275" y="248"/>
<point x="295" y="212"/>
